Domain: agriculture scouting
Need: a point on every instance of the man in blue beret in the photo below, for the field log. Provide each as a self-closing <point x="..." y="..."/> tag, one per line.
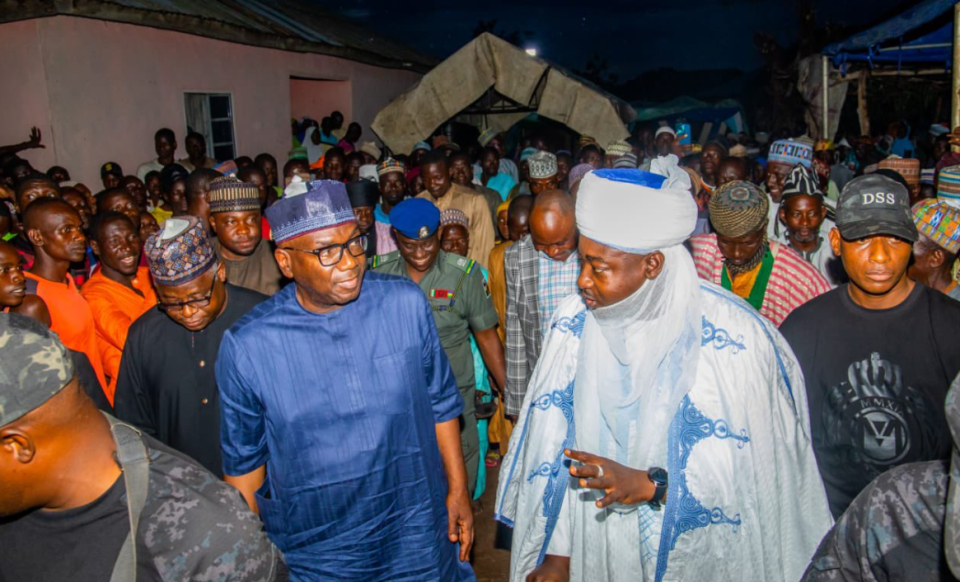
<point x="460" y="301"/>
<point x="339" y="411"/>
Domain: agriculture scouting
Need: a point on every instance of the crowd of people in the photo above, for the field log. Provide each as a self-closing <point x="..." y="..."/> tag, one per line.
<point x="727" y="362"/>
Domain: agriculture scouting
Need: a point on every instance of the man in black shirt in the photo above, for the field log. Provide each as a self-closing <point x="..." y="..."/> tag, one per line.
<point x="878" y="354"/>
<point x="166" y="384"/>
<point x="64" y="502"/>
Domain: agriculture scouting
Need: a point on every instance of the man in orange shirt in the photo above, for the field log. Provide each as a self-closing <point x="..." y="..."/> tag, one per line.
<point x="55" y="230"/>
<point x="120" y="291"/>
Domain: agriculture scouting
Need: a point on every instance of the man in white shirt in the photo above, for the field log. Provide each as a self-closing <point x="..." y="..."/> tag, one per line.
<point x="165" y="144"/>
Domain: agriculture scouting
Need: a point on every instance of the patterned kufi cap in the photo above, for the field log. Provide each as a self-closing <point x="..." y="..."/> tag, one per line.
<point x="948" y="186"/>
<point x="909" y="168"/>
<point x="738" y="208"/>
<point x="180" y="252"/>
<point x="542" y="165"/>
<point x="228" y="194"/>
<point x="390" y="165"/>
<point x="791" y="152"/>
<point x="939" y="222"/>
<point x="454" y="216"/>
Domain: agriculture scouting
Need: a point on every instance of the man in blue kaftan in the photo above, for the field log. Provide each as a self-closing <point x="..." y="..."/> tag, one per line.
<point x="340" y="412"/>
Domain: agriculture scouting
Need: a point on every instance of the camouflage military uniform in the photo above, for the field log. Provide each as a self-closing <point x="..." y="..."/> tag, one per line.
<point x="893" y="530"/>
<point x="460" y="301"/>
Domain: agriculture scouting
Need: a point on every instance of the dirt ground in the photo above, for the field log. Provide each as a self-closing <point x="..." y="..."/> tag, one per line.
<point x="489" y="563"/>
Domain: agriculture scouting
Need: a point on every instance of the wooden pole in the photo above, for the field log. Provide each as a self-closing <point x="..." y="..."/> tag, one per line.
<point x="825" y="71"/>
<point x="862" y="111"/>
<point x="955" y="96"/>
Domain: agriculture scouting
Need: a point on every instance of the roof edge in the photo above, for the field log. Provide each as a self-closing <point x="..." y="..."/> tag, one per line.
<point x="195" y="26"/>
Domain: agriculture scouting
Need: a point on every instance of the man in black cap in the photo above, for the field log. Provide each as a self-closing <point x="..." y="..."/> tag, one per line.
<point x="110" y="175"/>
<point x="364" y="195"/>
<point x="460" y="301"/>
<point x="75" y="479"/>
<point x="878" y="353"/>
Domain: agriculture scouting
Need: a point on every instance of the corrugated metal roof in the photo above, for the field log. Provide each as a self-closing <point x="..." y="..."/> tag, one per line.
<point x="295" y="25"/>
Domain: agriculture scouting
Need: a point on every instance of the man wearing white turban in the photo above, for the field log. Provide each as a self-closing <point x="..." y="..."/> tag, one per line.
<point x="664" y="433"/>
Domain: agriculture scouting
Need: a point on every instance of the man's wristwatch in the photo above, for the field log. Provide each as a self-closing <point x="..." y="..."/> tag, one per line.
<point x="659" y="478"/>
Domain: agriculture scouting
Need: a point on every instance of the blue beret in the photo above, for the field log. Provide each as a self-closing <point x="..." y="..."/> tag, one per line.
<point x="415" y="218"/>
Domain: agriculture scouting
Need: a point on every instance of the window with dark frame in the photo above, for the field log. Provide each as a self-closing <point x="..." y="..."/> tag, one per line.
<point x="211" y="115"/>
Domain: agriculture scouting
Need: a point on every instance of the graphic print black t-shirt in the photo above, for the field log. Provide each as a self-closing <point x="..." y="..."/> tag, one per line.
<point x="876" y="382"/>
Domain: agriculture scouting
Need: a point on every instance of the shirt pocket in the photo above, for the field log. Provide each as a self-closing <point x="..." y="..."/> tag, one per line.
<point x="395" y="381"/>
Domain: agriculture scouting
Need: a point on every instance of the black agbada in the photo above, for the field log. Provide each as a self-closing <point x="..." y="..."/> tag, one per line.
<point x="166" y="384"/>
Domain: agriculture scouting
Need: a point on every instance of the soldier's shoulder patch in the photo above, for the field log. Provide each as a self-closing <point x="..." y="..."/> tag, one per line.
<point x="381" y="260"/>
<point x="463" y="263"/>
<point x="486" y="287"/>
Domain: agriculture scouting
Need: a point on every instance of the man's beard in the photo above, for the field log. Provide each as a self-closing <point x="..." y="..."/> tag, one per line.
<point x="752" y="263"/>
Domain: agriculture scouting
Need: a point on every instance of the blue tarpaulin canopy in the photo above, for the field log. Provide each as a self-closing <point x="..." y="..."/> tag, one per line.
<point x="921" y="35"/>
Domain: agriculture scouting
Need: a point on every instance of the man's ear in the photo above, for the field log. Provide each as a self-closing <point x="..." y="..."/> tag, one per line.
<point x="34" y="236"/>
<point x="284" y="262"/>
<point x="937" y="258"/>
<point x="18" y="444"/>
<point x="95" y="247"/>
<point x="653" y="264"/>
<point x="221" y="273"/>
<point x="835" y="241"/>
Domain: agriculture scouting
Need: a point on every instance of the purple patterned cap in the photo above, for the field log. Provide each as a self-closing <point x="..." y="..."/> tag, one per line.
<point x="324" y="205"/>
<point x="180" y="252"/>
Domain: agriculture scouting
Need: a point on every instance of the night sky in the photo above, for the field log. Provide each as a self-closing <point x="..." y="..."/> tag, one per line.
<point x="634" y="35"/>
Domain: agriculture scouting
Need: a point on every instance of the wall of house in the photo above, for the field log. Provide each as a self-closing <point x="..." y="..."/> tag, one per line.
<point x="101" y="89"/>
<point x="23" y="93"/>
<point x="316" y="98"/>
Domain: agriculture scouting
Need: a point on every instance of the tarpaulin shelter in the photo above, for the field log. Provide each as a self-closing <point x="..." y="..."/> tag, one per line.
<point x="920" y="40"/>
<point x="727" y="112"/>
<point x="491" y="83"/>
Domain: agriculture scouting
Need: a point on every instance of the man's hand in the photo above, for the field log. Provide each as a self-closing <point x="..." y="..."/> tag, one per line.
<point x="553" y="569"/>
<point x="460" y="521"/>
<point x="34" y="141"/>
<point x="621" y="484"/>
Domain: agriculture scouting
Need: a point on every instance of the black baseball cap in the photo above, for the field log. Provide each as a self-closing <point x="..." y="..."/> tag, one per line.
<point x="871" y="205"/>
<point x="111" y="168"/>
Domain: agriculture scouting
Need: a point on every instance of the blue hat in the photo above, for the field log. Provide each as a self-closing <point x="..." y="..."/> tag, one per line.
<point x="415" y="218"/>
<point x="422" y="145"/>
<point x="324" y="205"/>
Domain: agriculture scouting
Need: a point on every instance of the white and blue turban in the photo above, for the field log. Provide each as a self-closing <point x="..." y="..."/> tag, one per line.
<point x="635" y="211"/>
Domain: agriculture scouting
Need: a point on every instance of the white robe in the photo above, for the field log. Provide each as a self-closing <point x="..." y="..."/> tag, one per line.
<point x="745" y="499"/>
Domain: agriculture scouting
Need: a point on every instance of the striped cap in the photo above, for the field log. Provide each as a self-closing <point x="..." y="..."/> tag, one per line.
<point x="928" y="175"/>
<point x="939" y="222"/>
<point x="228" y="194"/>
<point x="390" y="165"/>
<point x="909" y="168"/>
<point x="802" y="180"/>
<point x="948" y="186"/>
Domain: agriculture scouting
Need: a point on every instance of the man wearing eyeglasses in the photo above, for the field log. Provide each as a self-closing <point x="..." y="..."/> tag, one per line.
<point x="340" y="413"/>
<point x="166" y="385"/>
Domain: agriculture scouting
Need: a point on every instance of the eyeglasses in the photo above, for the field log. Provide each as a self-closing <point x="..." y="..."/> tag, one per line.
<point x="196" y="303"/>
<point x="331" y="255"/>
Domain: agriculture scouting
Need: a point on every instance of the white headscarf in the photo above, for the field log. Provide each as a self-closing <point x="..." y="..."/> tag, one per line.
<point x="639" y="356"/>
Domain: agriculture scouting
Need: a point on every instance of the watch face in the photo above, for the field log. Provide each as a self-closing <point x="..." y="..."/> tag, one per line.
<point x="658" y="475"/>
